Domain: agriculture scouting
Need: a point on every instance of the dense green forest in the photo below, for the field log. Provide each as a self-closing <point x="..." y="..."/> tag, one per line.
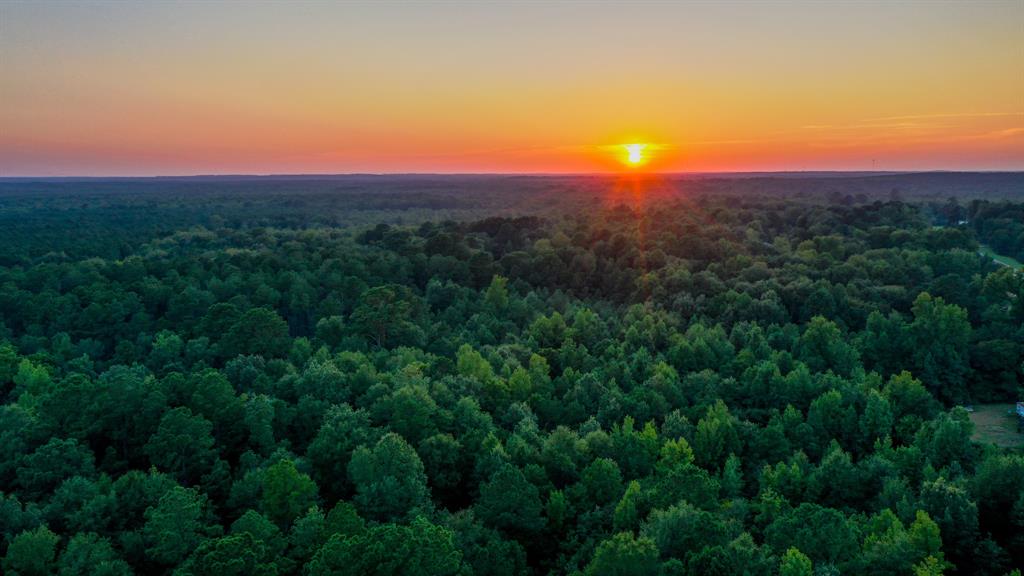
<point x="504" y="376"/>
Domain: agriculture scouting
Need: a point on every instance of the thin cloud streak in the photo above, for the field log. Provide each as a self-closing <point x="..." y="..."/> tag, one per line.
<point x="950" y="115"/>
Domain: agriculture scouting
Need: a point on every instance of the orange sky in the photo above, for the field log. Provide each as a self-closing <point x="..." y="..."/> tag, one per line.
<point x="199" y="88"/>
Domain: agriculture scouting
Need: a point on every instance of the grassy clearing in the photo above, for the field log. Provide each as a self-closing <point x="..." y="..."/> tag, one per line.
<point x="996" y="424"/>
<point x="1004" y="260"/>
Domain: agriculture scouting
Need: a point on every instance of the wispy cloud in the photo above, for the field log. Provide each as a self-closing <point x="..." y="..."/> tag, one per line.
<point x="949" y="115"/>
<point x="1008" y="132"/>
<point x="862" y="126"/>
<point x="908" y="129"/>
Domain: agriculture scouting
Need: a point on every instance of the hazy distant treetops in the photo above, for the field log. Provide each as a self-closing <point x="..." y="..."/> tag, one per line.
<point x="695" y="385"/>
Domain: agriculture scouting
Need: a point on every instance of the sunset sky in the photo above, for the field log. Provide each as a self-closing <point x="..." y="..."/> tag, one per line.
<point x="307" y="87"/>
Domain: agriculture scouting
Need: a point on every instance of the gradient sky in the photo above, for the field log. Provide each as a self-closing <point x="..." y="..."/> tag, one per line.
<point x="308" y="87"/>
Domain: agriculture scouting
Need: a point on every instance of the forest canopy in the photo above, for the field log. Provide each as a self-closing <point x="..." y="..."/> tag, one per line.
<point x="764" y="376"/>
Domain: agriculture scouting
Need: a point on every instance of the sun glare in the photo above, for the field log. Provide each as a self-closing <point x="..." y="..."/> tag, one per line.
<point x="635" y="154"/>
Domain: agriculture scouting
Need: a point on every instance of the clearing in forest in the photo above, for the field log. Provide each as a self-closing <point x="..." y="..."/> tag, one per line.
<point x="1000" y="259"/>
<point x="996" y="424"/>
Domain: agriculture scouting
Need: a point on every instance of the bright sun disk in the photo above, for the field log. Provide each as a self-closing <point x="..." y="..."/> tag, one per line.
<point x="634" y="153"/>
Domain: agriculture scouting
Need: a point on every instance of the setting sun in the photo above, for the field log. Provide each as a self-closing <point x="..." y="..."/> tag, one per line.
<point x="635" y="154"/>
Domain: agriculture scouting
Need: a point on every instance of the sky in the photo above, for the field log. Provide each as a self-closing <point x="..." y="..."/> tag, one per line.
<point x="118" y="88"/>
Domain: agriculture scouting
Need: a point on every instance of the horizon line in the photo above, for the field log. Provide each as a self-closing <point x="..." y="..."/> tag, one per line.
<point x="507" y="174"/>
